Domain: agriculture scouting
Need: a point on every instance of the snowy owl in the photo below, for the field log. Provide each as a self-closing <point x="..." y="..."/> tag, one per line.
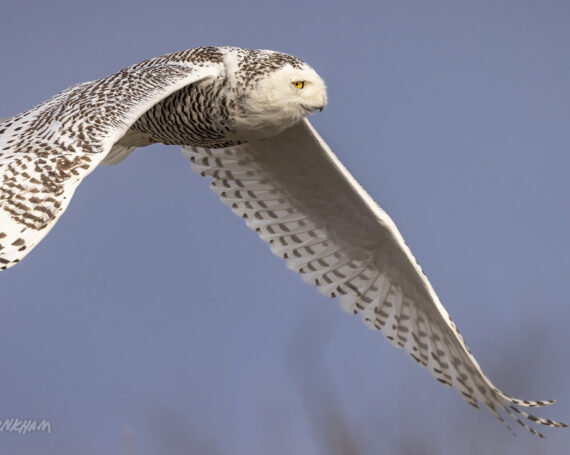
<point x="240" y="117"/>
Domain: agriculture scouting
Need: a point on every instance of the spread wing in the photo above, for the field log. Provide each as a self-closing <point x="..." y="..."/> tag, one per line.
<point x="47" y="151"/>
<point x="293" y="191"/>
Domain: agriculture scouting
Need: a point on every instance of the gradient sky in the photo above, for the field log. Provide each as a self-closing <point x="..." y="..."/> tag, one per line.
<point x="453" y="115"/>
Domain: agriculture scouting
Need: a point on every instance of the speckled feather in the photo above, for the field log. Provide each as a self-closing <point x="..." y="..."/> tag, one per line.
<point x="46" y="151"/>
<point x="285" y="182"/>
<point x="292" y="190"/>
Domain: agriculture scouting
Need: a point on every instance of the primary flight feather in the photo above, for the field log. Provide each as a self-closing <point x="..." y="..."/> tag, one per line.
<point x="240" y="117"/>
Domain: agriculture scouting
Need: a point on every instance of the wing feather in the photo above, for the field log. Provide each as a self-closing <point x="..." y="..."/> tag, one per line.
<point x="47" y="151"/>
<point x="293" y="191"/>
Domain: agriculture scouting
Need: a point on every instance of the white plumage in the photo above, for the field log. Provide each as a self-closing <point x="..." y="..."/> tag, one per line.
<point x="240" y="117"/>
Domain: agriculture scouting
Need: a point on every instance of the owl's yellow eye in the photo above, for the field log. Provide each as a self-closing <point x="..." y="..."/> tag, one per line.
<point x="299" y="84"/>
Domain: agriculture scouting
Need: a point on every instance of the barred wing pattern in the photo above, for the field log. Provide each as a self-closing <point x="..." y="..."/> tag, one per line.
<point x="293" y="191"/>
<point x="47" y="151"/>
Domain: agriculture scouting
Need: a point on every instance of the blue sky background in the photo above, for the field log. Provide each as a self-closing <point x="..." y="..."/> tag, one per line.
<point x="453" y="115"/>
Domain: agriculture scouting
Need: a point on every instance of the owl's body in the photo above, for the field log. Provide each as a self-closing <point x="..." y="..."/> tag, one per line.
<point x="224" y="111"/>
<point x="240" y="116"/>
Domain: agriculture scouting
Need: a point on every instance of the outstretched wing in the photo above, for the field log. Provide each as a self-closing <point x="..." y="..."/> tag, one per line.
<point x="293" y="191"/>
<point x="47" y="151"/>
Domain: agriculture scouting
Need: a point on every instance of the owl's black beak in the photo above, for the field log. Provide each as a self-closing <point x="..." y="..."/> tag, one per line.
<point x="312" y="109"/>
